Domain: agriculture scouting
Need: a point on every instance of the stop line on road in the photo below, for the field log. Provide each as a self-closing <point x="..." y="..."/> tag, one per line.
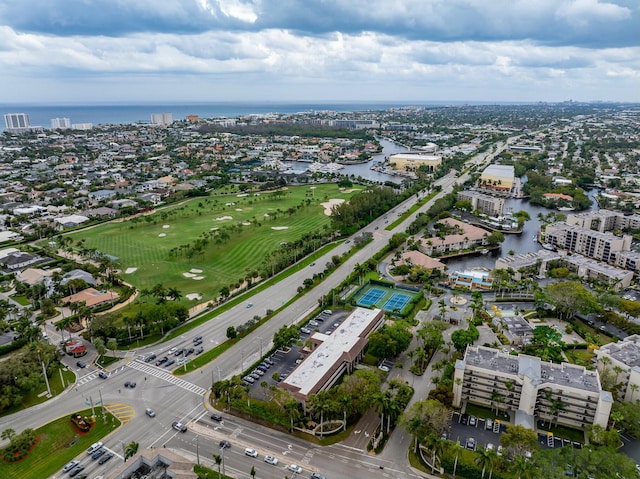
<point x="159" y="373"/>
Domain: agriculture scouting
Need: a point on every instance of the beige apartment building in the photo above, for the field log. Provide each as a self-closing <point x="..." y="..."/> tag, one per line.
<point x="489" y="205"/>
<point x="413" y="161"/>
<point x="623" y="361"/>
<point x="498" y="178"/>
<point x="590" y="243"/>
<point x="529" y="389"/>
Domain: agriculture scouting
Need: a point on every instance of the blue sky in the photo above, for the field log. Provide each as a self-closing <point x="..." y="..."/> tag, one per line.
<point x="318" y="50"/>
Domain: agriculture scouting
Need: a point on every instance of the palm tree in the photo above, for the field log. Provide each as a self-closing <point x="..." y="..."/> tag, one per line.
<point x="521" y="467"/>
<point x="218" y="460"/>
<point x="634" y="388"/>
<point x="130" y="450"/>
<point x="174" y="294"/>
<point x="8" y="434"/>
<point x="484" y="459"/>
<point x="252" y="473"/>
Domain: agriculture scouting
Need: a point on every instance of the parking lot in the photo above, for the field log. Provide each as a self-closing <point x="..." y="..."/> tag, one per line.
<point x="464" y="427"/>
<point x="285" y="361"/>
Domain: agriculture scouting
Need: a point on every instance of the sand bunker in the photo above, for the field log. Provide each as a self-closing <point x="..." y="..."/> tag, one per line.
<point x="194" y="270"/>
<point x="266" y="215"/>
<point x="130" y="270"/>
<point x="198" y="278"/>
<point x="193" y="296"/>
<point x="328" y="205"/>
<point x="162" y="235"/>
<point x="238" y="209"/>
<point x="222" y="218"/>
<point x="242" y="195"/>
<point x="214" y="229"/>
<point x="246" y="223"/>
<point x="278" y="228"/>
<point x="229" y="204"/>
<point x="188" y="275"/>
<point x="166" y="226"/>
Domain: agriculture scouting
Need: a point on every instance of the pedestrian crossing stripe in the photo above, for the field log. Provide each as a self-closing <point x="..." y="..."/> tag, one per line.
<point x="161" y="374"/>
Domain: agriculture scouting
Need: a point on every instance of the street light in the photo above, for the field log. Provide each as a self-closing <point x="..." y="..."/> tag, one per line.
<point x="241" y="361"/>
<point x="222" y="451"/>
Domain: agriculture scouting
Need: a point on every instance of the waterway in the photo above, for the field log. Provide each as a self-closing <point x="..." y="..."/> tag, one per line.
<point x="518" y="243"/>
<point x="363" y="170"/>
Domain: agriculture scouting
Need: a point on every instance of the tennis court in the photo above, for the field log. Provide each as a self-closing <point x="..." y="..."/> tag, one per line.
<point x="371" y="297"/>
<point x="397" y="301"/>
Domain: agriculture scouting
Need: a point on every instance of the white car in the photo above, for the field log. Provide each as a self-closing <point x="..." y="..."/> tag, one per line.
<point x="271" y="460"/>
<point x="94" y="447"/>
<point x="295" y="468"/>
<point x="70" y="466"/>
<point x="250" y="452"/>
<point x="172" y="350"/>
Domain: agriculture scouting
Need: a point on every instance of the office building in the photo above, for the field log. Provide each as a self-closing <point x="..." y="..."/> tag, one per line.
<point x="530" y="390"/>
<point x="498" y="178"/>
<point x="413" y="161"/>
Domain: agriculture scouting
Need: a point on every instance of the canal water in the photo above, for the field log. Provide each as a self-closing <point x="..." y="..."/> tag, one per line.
<point x="518" y="243"/>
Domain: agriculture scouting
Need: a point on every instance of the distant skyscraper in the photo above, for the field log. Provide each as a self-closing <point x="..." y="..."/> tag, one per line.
<point x="17" y="122"/>
<point x="62" y="123"/>
<point x="163" y="119"/>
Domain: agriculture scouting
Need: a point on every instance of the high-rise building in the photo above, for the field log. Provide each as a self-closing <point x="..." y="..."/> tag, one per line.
<point x="61" y="123"/>
<point x="162" y="119"/>
<point x="17" y="122"/>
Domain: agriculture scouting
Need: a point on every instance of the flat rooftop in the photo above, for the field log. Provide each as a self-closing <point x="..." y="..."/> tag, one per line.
<point x="324" y="358"/>
<point x="539" y="371"/>
<point x="627" y="351"/>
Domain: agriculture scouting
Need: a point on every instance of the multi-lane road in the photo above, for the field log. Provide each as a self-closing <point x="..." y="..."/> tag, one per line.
<point x="183" y="398"/>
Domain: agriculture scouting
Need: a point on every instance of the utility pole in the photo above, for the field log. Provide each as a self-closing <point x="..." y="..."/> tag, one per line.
<point x="46" y="379"/>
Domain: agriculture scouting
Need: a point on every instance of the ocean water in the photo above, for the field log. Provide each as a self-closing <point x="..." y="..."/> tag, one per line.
<point x="114" y="114"/>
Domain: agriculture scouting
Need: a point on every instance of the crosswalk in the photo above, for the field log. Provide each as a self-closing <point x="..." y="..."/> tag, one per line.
<point x="85" y="379"/>
<point x="161" y="374"/>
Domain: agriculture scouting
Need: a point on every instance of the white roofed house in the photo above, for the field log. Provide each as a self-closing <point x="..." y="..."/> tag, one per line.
<point x="70" y="221"/>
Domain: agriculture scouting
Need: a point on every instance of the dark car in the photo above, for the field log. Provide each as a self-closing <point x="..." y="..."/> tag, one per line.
<point x="162" y="360"/>
<point x="76" y="470"/>
<point x="171" y="362"/>
<point x="179" y="352"/>
<point x="98" y="453"/>
<point x="317" y="475"/>
<point x="199" y="350"/>
<point x="105" y="458"/>
<point x="216" y="417"/>
<point x="150" y="358"/>
<point x="81" y="364"/>
<point x="188" y="352"/>
<point x="197" y="340"/>
<point x="130" y="384"/>
<point x="103" y="375"/>
<point x="224" y="444"/>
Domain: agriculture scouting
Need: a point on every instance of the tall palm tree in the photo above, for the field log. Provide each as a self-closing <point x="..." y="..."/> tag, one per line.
<point x="130" y="450"/>
<point x="218" y="460"/>
<point x="485" y="459"/>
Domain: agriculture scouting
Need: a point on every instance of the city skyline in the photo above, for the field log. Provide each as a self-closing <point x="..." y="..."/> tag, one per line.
<point x="335" y="50"/>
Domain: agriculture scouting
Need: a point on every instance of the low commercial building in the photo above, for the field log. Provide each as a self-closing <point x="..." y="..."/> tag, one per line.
<point x="529" y="389"/>
<point x="498" y="178"/>
<point x="333" y="355"/>
<point x="413" y="161"/>
<point x="487" y="204"/>
<point x="472" y="279"/>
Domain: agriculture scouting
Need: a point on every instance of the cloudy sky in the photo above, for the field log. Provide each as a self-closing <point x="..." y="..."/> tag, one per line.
<point x="318" y="50"/>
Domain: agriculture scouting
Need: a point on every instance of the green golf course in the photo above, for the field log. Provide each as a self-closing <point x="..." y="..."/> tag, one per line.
<point x="205" y="243"/>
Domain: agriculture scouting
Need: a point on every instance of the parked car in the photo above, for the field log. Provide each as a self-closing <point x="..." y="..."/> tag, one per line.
<point x="305" y="330"/>
<point x="249" y="379"/>
<point x="314" y="323"/>
<point x="488" y="424"/>
<point x="250" y="452"/>
<point x="81" y="364"/>
<point x="271" y="460"/>
<point x="268" y="361"/>
<point x="295" y="468"/>
<point x="224" y="444"/>
<point x="105" y="458"/>
<point x="70" y="466"/>
<point x="471" y="444"/>
<point x="130" y="384"/>
<point x="317" y="475"/>
<point x="178" y="426"/>
<point x="94" y="447"/>
<point x="150" y="412"/>
<point x="472" y="421"/>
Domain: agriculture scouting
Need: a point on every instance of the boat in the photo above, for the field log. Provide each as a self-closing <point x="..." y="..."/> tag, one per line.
<point x="547" y="246"/>
<point x="484" y="251"/>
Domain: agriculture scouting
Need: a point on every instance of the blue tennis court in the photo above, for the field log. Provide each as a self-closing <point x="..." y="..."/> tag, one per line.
<point x="397" y="301"/>
<point x="371" y="297"/>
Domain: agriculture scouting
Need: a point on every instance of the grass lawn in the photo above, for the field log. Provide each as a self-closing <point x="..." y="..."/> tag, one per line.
<point x="53" y="449"/>
<point x="145" y="242"/>
<point x="37" y="397"/>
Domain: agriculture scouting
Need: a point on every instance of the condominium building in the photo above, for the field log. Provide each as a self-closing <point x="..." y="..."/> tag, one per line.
<point x="60" y="123"/>
<point x="17" y="122"/>
<point x="591" y="243"/>
<point x="464" y="236"/>
<point x="604" y="220"/>
<point x="162" y="119"/>
<point x="529" y="389"/>
<point x="489" y="205"/>
<point x="622" y="360"/>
